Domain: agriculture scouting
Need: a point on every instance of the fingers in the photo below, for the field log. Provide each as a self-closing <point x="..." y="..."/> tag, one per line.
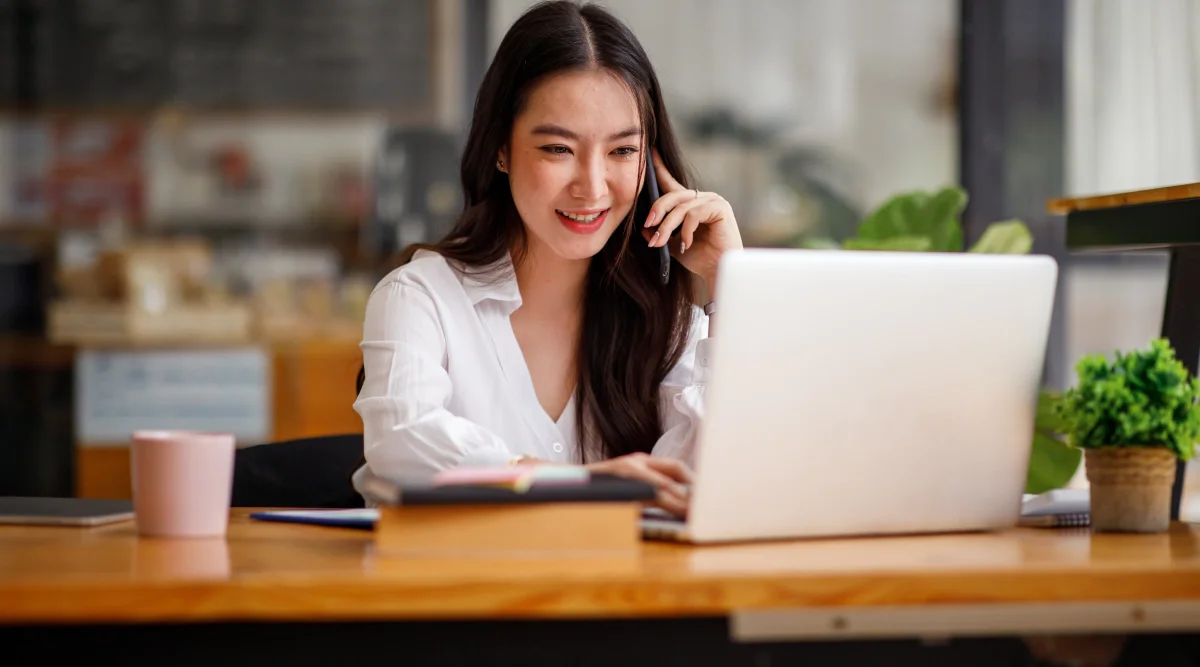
<point x="692" y="213"/>
<point x="663" y="206"/>
<point x="670" y="478"/>
<point x="666" y="181"/>
<point x="687" y="231"/>
<point x="672" y="468"/>
<point x="658" y="480"/>
<point x="670" y="495"/>
<point x="679" y="208"/>
<point x="673" y="503"/>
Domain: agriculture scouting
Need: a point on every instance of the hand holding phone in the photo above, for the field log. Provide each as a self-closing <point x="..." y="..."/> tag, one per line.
<point x="650" y="194"/>
<point x="700" y="224"/>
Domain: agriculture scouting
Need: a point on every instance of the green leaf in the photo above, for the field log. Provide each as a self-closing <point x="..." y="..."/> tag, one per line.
<point x="922" y="215"/>
<point x="1048" y="419"/>
<point x="1051" y="464"/>
<point x="898" y="216"/>
<point x="895" y="243"/>
<point x="942" y="212"/>
<point x="819" y="243"/>
<point x="1011" y="237"/>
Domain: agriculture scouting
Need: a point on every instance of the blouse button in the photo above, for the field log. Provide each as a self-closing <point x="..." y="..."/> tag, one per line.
<point x="558" y="447"/>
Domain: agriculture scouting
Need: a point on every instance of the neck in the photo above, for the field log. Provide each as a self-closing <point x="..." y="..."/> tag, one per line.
<point x="549" y="282"/>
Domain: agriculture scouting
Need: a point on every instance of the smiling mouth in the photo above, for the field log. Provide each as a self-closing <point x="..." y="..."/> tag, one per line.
<point x="582" y="219"/>
<point x="582" y="223"/>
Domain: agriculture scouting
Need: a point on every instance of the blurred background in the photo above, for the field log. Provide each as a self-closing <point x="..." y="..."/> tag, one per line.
<point x="196" y="196"/>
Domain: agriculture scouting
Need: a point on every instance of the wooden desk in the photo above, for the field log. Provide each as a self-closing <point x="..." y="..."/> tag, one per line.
<point x="271" y="571"/>
<point x="1030" y="580"/>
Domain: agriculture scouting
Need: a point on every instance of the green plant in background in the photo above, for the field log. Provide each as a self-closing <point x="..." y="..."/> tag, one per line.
<point x="928" y="222"/>
<point x="1143" y="398"/>
<point x="914" y="221"/>
<point x="1052" y="463"/>
<point x="921" y="221"/>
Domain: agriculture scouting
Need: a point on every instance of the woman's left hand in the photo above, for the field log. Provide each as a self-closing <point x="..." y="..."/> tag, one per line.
<point x="707" y="228"/>
<point x="670" y="478"/>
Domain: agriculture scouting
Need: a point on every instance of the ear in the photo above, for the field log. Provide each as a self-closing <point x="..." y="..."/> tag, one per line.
<point x="502" y="160"/>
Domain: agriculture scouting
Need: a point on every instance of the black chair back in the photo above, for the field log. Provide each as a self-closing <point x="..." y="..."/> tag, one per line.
<point x="310" y="472"/>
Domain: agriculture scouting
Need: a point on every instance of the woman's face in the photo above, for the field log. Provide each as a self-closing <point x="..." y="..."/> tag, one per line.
<point x="573" y="162"/>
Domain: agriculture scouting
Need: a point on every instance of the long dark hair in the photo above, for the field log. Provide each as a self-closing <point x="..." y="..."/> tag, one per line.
<point x="634" y="328"/>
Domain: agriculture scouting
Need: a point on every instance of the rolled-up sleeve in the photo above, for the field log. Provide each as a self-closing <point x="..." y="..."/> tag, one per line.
<point x="681" y="397"/>
<point x="407" y="428"/>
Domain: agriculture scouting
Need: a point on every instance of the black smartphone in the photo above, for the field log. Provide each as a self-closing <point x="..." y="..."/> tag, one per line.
<point x="650" y="194"/>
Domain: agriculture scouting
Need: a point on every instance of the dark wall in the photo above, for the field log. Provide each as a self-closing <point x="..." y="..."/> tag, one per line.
<point x="1012" y="137"/>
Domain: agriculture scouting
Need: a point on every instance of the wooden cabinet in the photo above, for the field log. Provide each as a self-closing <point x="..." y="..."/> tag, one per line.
<point x="312" y="393"/>
<point x="313" y="389"/>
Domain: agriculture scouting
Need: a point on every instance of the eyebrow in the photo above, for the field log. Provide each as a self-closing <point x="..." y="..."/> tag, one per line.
<point x="559" y="131"/>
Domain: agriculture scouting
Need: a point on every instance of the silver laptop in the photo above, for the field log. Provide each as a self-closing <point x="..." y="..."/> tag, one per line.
<point x="865" y="393"/>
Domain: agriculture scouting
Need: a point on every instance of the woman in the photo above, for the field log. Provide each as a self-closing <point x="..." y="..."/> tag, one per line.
<point x="539" y="329"/>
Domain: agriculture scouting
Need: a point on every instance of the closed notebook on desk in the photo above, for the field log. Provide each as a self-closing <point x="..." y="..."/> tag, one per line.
<point x="424" y="492"/>
<point x="417" y="517"/>
<point x="63" y="511"/>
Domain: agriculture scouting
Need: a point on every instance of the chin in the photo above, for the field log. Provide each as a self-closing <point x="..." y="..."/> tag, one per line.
<point x="572" y="246"/>
<point x="580" y="248"/>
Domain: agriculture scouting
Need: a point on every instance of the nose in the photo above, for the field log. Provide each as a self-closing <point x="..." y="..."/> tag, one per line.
<point x="591" y="179"/>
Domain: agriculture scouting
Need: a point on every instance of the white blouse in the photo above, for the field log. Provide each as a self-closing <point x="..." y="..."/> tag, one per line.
<point x="446" y="382"/>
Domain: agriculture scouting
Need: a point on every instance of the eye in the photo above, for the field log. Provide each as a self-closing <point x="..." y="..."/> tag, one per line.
<point x="626" y="151"/>
<point x="556" y="149"/>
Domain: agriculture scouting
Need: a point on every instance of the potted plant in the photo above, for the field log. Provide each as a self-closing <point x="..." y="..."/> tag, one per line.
<point x="920" y="221"/>
<point x="1133" y="417"/>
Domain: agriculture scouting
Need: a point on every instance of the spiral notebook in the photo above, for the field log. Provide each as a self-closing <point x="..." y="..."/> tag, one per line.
<point x="1060" y="508"/>
<point x="1071" y="520"/>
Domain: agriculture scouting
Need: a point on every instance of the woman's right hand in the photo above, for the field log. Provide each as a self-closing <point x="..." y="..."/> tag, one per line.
<point x="671" y="478"/>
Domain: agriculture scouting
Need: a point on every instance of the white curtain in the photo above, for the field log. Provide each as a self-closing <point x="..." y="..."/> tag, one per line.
<point x="1133" y="122"/>
<point x="1133" y="94"/>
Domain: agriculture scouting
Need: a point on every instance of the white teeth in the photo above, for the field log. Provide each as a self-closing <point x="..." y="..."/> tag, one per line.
<point x="580" y="218"/>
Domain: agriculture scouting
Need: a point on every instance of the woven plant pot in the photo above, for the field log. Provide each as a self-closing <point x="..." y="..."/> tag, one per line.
<point x="1131" y="488"/>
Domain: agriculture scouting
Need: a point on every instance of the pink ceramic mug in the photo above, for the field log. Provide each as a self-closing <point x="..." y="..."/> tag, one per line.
<point x="182" y="481"/>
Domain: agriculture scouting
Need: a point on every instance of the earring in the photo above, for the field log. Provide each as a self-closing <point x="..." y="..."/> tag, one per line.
<point x="500" y="165"/>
